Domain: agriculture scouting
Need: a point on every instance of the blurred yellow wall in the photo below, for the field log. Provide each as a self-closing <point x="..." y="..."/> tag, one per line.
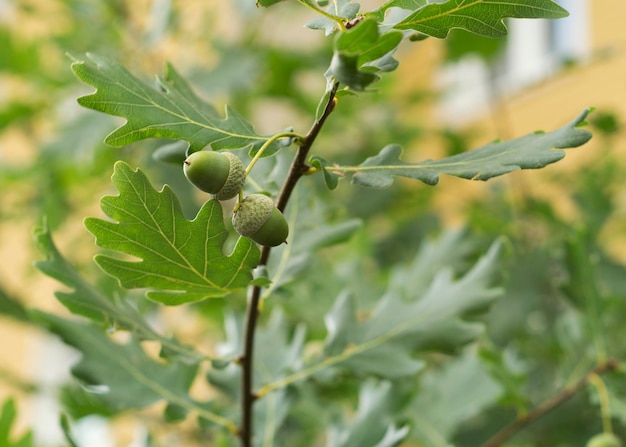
<point x="598" y="82"/>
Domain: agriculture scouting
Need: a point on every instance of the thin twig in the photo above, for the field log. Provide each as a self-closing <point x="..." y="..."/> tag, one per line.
<point x="298" y="165"/>
<point x="549" y="405"/>
<point x="297" y="169"/>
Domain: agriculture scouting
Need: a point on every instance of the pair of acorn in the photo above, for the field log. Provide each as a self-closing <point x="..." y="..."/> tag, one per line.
<point x="223" y="175"/>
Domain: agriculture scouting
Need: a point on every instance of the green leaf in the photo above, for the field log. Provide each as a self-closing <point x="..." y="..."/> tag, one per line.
<point x="582" y="285"/>
<point x="406" y="319"/>
<point x="509" y="371"/>
<point x="320" y="163"/>
<point x="583" y="288"/>
<point x="7" y="420"/>
<point x="339" y="8"/>
<point x="173" y="153"/>
<point x="345" y="69"/>
<point x="123" y="375"/>
<point x="88" y="301"/>
<point x="449" y="395"/>
<point x="181" y="260"/>
<point x="360" y="52"/>
<point x="532" y="151"/>
<point x="67" y="431"/>
<point x="12" y="307"/>
<point x="78" y="402"/>
<point x="372" y="424"/>
<point x="172" y="110"/>
<point x="484" y="17"/>
<point x="267" y="3"/>
<point x="409" y="5"/>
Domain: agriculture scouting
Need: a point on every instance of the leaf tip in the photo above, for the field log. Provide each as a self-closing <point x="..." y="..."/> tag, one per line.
<point x="580" y="120"/>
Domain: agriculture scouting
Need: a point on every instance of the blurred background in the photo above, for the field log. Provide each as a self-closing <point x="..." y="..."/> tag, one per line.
<point x="446" y="97"/>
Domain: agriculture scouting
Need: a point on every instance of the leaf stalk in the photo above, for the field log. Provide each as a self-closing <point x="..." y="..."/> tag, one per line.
<point x="267" y="144"/>
<point x="338" y="20"/>
<point x="259" y="154"/>
<point x="605" y="402"/>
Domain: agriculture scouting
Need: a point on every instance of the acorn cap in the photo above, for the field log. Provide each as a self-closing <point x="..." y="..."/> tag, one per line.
<point x="235" y="180"/>
<point x="253" y="212"/>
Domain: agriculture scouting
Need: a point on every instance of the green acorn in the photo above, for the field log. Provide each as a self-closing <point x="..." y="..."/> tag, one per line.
<point x="218" y="173"/>
<point x="256" y="217"/>
<point x="604" y="440"/>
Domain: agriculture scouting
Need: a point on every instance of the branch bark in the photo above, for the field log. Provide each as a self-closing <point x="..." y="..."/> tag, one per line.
<point x="296" y="171"/>
<point x="567" y="393"/>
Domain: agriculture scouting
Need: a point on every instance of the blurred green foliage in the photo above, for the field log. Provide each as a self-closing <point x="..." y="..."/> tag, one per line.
<point x="565" y="286"/>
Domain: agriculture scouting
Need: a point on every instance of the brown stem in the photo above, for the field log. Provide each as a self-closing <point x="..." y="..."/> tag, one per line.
<point x="548" y="405"/>
<point x="298" y="165"/>
<point x="297" y="169"/>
